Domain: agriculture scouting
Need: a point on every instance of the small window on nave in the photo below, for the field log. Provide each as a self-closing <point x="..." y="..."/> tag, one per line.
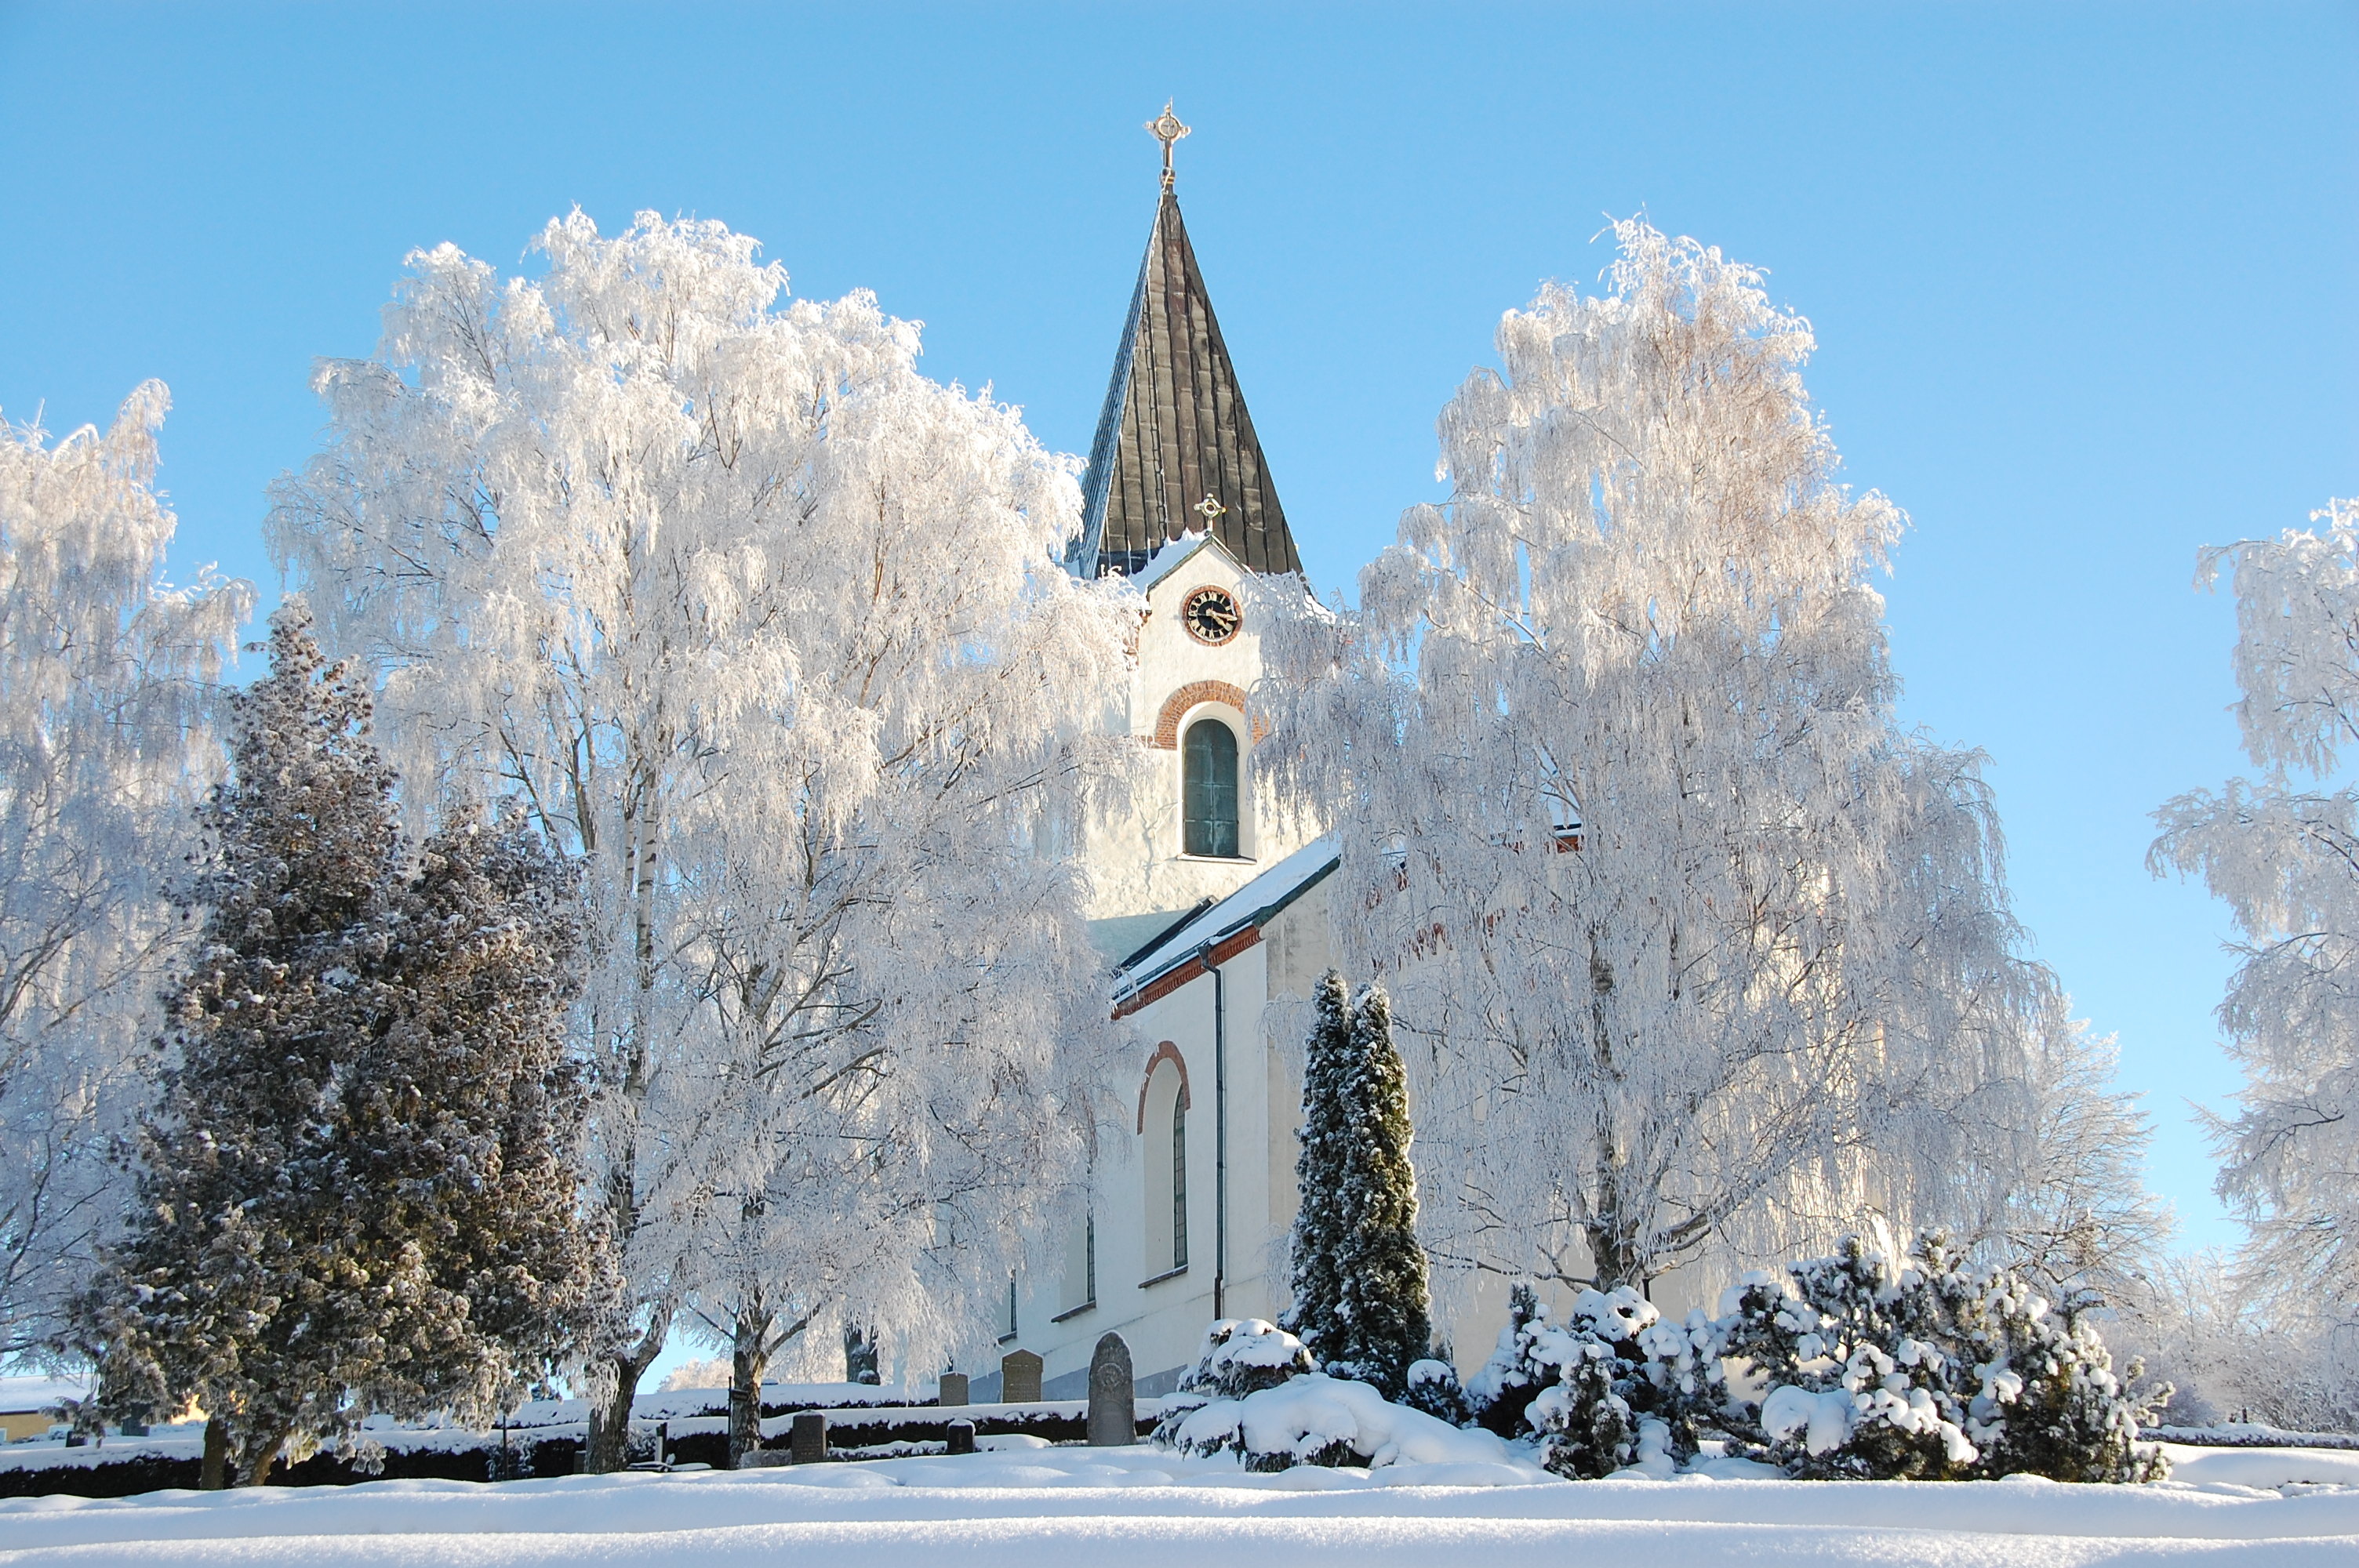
<point x="1209" y="790"/>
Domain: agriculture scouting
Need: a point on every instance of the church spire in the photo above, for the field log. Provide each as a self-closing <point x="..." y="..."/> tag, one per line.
<point x="1175" y="450"/>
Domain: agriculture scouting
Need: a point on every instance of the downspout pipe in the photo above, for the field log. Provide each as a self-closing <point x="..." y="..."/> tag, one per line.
<point x="1220" y="1132"/>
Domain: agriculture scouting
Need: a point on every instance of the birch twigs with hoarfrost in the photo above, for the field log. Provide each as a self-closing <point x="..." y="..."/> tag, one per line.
<point x="1690" y="944"/>
<point x="106" y="689"/>
<point x="2283" y="852"/>
<point x="768" y="628"/>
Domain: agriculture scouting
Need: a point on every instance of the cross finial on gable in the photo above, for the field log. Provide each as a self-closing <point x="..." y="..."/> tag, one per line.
<point x="1168" y="129"/>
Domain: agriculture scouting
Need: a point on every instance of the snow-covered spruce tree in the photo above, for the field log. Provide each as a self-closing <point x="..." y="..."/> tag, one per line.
<point x="2280" y="851"/>
<point x="768" y="629"/>
<point x="105" y="695"/>
<point x="1687" y="936"/>
<point x="357" y="1192"/>
<point x="1358" y="1272"/>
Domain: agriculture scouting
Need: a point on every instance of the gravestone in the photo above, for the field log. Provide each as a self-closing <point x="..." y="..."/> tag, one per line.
<point x="809" y="1438"/>
<point x="1019" y="1378"/>
<point x="953" y="1390"/>
<point x="1114" y="1410"/>
<point x="961" y="1434"/>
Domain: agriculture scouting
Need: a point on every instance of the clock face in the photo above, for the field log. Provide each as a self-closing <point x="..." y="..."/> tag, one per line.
<point x="1210" y="615"/>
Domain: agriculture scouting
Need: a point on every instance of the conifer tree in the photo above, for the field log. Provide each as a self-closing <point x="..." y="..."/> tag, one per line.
<point x="1360" y="1300"/>
<point x="1317" y="1238"/>
<point x="356" y="1192"/>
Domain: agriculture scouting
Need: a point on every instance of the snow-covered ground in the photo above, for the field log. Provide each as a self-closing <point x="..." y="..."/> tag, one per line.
<point x="1028" y="1506"/>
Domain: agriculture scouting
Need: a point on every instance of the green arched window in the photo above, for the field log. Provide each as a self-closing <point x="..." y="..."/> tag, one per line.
<point x="1208" y="774"/>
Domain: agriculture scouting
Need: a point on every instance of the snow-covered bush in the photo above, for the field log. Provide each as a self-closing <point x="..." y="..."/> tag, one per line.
<point x="1434" y="1387"/>
<point x="1318" y="1419"/>
<point x="1243" y="1356"/>
<point x="2070" y="1416"/>
<point x="1610" y="1387"/>
<point x="1504" y="1387"/>
<point x="1877" y="1367"/>
<point x="1255" y="1395"/>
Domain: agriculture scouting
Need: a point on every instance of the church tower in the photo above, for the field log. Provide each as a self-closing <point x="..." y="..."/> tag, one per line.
<point x="1177" y="500"/>
<point x="1175" y="451"/>
<point x="1207" y="903"/>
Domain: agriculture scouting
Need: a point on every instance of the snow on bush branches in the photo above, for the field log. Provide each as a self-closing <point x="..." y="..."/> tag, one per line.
<point x="1259" y="1398"/>
<point x="1612" y="1387"/>
<point x="1867" y="1367"/>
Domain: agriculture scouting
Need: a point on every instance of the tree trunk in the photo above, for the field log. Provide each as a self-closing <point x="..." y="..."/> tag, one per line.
<point x="610" y="1429"/>
<point x="749" y="1356"/>
<point x="266" y="1457"/>
<point x="214" y="1473"/>
<point x="1614" y="1259"/>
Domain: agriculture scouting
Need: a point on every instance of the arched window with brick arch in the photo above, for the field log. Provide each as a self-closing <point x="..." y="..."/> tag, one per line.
<point x="1207" y="790"/>
<point x="1163" y="1138"/>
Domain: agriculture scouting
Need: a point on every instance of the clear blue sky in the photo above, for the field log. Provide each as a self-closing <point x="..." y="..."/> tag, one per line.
<point x="2083" y="279"/>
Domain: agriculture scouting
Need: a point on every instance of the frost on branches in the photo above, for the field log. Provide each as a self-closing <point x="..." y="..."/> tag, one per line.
<point x="1359" y="1277"/>
<point x="358" y="1191"/>
<point x="105" y="691"/>
<point x="2280" y="850"/>
<point x="767" y="628"/>
<point x="1687" y="938"/>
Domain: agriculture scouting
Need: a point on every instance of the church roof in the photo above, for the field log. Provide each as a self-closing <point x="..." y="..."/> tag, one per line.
<point x="1212" y="935"/>
<point x="1175" y="448"/>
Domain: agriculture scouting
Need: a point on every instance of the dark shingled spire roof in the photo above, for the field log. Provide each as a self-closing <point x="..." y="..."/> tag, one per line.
<point x="1175" y="448"/>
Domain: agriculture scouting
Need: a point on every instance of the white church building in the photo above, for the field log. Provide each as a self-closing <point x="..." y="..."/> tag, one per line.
<point x="1211" y="907"/>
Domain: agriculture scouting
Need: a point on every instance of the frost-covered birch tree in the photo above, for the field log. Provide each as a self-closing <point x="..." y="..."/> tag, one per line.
<point x="2283" y="852"/>
<point x="106" y="693"/>
<point x="766" y="627"/>
<point x="1689" y="941"/>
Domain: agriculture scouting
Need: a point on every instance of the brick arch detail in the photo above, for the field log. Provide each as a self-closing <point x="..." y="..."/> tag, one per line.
<point x="1166" y="1052"/>
<point x="1197" y="692"/>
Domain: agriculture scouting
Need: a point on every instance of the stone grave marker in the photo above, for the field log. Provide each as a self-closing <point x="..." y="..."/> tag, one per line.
<point x="961" y="1434"/>
<point x="809" y="1439"/>
<point x="953" y="1390"/>
<point x="1114" y="1409"/>
<point x="1019" y="1378"/>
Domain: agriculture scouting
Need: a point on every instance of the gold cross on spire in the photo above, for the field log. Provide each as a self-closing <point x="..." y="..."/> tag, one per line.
<point x="1168" y="129"/>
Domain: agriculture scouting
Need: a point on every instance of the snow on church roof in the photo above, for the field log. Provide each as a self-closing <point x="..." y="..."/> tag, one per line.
<point x="1169" y="556"/>
<point x="1243" y="911"/>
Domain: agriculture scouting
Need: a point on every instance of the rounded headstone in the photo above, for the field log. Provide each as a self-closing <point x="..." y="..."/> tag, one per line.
<point x="1114" y="1407"/>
